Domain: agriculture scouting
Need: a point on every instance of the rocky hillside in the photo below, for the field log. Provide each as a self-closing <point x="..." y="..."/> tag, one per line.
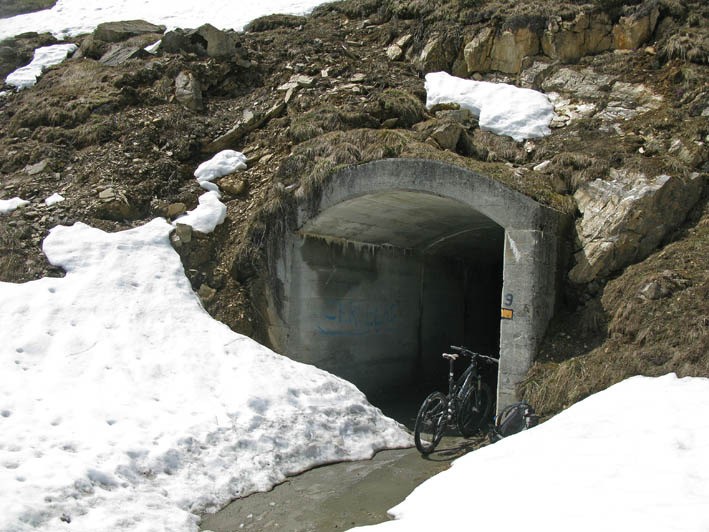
<point x="118" y="132"/>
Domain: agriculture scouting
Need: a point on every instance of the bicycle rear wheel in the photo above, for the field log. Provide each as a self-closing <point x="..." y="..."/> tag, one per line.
<point x="430" y="422"/>
<point x="475" y="410"/>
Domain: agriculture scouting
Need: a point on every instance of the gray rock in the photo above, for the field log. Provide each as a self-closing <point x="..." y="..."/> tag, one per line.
<point x="584" y="83"/>
<point x="107" y="194"/>
<point x="447" y="135"/>
<point x="628" y="100"/>
<point x="394" y="52"/>
<point x="233" y="186"/>
<point x="37" y="168"/>
<point x="205" y="41"/>
<point x="438" y="54"/>
<point x="120" y="31"/>
<point x="626" y="218"/>
<point x="175" y="209"/>
<point x="249" y="122"/>
<point x="184" y="232"/>
<point x="188" y="91"/>
<point x="118" y="54"/>
<point x="206" y="293"/>
<point x="462" y="116"/>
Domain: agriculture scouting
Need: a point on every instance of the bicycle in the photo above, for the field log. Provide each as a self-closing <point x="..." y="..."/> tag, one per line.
<point x="469" y="402"/>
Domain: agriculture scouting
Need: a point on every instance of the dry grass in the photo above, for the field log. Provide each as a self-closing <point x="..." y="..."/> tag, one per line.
<point x="406" y="108"/>
<point x="326" y="119"/>
<point x="574" y="169"/>
<point x="499" y="147"/>
<point x="692" y="45"/>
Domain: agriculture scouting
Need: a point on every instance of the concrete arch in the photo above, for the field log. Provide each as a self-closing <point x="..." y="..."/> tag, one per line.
<point x="384" y="261"/>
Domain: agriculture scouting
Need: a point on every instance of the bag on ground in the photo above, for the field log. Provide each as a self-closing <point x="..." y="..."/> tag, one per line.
<point x="513" y="419"/>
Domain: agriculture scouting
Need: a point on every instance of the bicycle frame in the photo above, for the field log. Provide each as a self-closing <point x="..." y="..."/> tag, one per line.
<point x="468" y="402"/>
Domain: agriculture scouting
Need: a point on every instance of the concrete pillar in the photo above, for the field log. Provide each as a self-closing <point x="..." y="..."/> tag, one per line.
<point x="527" y="305"/>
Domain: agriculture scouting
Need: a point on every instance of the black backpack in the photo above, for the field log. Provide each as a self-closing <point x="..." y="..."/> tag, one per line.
<point x="513" y="419"/>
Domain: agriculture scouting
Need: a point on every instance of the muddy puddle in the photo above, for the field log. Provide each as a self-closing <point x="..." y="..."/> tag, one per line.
<point x="340" y="496"/>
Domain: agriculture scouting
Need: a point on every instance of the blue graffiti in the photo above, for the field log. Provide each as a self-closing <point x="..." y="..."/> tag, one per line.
<point x="359" y="318"/>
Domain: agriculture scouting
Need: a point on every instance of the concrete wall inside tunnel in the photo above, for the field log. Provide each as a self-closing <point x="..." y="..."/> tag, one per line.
<point x="403" y="257"/>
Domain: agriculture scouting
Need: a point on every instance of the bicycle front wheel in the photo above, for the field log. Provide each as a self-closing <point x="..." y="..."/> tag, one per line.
<point x="430" y="422"/>
<point x="475" y="410"/>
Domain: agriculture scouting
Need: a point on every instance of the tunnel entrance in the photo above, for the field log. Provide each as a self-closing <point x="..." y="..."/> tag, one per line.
<point x="399" y="276"/>
<point x="402" y="258"/>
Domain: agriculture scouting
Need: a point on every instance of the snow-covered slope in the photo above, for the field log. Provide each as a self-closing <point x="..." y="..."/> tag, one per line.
<point x="73" y="17"/>
<point x="125" y="406"/>
<point x="633" y="457"/>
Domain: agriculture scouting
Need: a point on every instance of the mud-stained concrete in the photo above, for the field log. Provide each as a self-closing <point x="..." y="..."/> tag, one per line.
<point x="339" y="496"/>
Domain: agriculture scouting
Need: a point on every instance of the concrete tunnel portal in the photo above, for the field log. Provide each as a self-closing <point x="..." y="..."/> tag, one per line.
<point x="402" y="258"/>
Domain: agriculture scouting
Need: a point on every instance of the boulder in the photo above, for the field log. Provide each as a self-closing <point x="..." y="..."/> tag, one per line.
<point x="175" y="209"/>
<point x="447" y="135"/>
<point x="120" y="31"/>
<point x="633" y="31"/>
<point x="477" y="52"/>
<point x="232" y="185"/>
<point x="37" y="168"/>
<point x="501" y="52"/>
<point x="395" y="51"/>
<point x="205" y="41"/>
<point x="206" y="293"/>
<point x="183" y="232"/>
<point x="188" y="91"/>
<point x="438" y="54"/>
<point x="118" y="54"/>
<point x="568" y="41"/>
<point x="463" y="117"/>
<point x="624" y="219"/>
<point x="510" y="47"/>
<point x="272" y="22"/>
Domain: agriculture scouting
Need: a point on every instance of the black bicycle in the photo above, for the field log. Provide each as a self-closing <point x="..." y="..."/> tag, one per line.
<point x="469" y="403"/>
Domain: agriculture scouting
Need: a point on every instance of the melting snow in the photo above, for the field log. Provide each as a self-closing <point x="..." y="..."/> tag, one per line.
<point x="125" y="406"/>
<point x="502" y="109"/>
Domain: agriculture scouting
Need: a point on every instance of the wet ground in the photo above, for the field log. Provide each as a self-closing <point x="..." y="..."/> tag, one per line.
<point x="341" y="496"/>
<point x="338" y="496"/>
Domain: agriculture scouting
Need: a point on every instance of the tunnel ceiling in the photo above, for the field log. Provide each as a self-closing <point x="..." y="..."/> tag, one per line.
<point x="409" y="220"/>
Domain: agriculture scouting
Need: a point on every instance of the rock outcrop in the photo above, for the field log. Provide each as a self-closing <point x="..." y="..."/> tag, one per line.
<point x="505" y="50"/>
<point x="625" y="218"/>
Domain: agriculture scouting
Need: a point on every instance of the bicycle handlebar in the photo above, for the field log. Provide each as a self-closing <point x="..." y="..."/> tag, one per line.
<point x="464" y="351"/>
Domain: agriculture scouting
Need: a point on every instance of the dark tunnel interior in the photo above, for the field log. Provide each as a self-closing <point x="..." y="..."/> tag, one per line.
<point x="401" y="276"/>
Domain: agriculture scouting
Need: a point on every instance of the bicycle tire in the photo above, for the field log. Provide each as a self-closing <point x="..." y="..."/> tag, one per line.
<point x="430" y="422"/>
<point x="474" y="410"/>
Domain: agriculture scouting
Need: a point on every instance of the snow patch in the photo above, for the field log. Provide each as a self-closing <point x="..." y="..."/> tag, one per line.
<point x="44" y="57"/>
<point x="10" y="205"/>
<point x="501" y="109"/>
<point x="54" y="198"/>
<point x="207" y="216"/>
<point x="223" y="163"/>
